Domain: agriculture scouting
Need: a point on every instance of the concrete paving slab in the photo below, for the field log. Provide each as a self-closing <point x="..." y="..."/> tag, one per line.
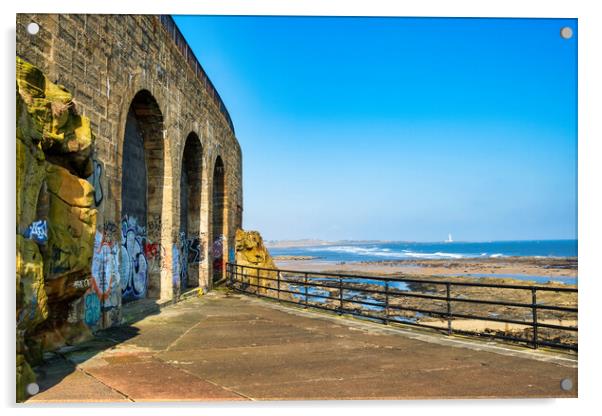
<point x="224" y="347"/>
<point x="154" y="380"/>
<point x="78" y="387"/>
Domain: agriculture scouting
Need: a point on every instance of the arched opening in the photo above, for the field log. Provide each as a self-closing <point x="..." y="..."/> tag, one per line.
<point x="219" y="239"/>
<point x="190" y="213"/>
<point x="142" y="168"/>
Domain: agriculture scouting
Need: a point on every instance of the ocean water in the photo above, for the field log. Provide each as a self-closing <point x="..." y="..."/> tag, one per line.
<point x="379" y="251"/>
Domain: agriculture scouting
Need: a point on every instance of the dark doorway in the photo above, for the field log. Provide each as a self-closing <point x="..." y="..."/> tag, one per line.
<point x="190" y="213"/>
<point x="142" y="168"/>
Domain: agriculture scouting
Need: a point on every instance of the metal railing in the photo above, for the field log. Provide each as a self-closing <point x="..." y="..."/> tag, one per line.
<point x="414" y="301"/>
<point x="172" y="29"/>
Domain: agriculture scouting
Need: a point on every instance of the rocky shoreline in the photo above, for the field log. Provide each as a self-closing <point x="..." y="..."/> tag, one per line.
<point x="535" y="266"/>
<point x="439" y="270"/>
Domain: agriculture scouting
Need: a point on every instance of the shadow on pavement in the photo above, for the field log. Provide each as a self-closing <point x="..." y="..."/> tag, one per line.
<point x="60" y="363"/>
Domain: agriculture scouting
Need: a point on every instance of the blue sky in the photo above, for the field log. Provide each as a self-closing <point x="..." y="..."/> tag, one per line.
<point x="399" y="128"/>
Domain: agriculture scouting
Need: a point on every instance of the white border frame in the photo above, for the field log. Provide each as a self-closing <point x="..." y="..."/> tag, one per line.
<point x="589" y="213"/>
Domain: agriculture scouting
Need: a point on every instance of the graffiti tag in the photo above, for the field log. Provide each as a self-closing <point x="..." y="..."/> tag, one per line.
<point x="37" y="231"/>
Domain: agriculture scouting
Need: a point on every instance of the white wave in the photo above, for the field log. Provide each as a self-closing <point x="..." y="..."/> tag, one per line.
<point x="437" y="255"/>
<point x="496" y="255"/>
<point x="347" y="249"/>
<point x="386" y="252"/>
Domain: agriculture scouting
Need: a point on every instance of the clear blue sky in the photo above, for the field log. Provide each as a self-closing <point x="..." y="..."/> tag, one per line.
<point x="399" y="128"/>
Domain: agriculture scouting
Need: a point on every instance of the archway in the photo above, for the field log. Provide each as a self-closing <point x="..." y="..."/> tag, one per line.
<point x="142" y="168"/>
<point x="219" y="238"/>
<point x="190" y="213"/>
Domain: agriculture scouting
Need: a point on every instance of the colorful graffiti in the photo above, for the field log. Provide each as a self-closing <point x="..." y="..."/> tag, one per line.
<point x="92" y="309"/>
<point x="37" y="231"/>
<point x="105" y="271"/>
<point x="133" y="267"/>
<point x="94" y="180"/>
<point x="155" y="256"/>
<point x="187" y="250"/>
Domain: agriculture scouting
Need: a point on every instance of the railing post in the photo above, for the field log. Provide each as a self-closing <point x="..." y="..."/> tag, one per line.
<point x="448" y="298"/>
<point x="305" y="286"/>
<point x="386" y="302"/>
<point x="231" y="274"/>
<point x="257" y="284"/>
<point x="340" y="296"/>
<point x="534" y="312"/>
<point x="278" y="284"/>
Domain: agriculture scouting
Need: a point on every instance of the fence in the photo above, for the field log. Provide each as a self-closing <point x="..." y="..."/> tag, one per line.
<point x="533" y="315"/>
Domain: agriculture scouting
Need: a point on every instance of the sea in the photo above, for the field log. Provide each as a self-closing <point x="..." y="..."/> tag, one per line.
<point x="378" y="251"/>
<point x="356" y="251"/>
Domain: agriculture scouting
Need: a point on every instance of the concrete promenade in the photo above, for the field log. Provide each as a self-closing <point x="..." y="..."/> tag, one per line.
<point x="226" y="346"/>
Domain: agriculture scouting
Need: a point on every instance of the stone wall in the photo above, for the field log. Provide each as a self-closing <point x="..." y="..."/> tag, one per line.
<point x="132" y="81"/>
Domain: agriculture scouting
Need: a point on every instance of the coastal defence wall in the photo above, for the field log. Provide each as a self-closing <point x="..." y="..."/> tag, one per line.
<point x="165" y="164"/>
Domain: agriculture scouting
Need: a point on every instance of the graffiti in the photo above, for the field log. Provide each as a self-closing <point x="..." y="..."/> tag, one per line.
<point x="133" y="267"/>
<point x="217" y="250"/>
<point x="94" y="180"/>
<point x="91" y="309"/>
<point x="218" y="247"/>
<point x="193" y="248"/>
<point x="109" y="232"/>
<point x="37" y="231"/>
<point x="155" y="255"/>
<point x="186" y="251"/>
<point x="176" y="268"/>
<point x="81" y="284"/>
<point x="152" y="250"/>
<point x="105" y="271"/>
<point x="154" y="227"/>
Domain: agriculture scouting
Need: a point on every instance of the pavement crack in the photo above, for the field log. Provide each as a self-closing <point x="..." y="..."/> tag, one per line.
<point x="206" y="380"/>
<point x="171" y="344"/>
<point x="125" y="396"/>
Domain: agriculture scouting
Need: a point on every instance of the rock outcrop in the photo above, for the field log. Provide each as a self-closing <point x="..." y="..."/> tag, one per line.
<point x="56" y="219"/>
<point x="250" y="251"/>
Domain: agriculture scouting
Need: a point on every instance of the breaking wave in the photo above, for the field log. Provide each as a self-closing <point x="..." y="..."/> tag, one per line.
<point x="386" y="252"/>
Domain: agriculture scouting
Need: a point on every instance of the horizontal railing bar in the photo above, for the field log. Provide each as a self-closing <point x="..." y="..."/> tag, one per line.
<point x="428" y="311"/>
<point x="293" y="292"/>
<point x="395" y="293"/>
<point x="439" y="282"/>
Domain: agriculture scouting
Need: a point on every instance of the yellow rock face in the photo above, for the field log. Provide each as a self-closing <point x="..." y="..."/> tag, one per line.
<point x="69" y="188"/>
<point x="54" y="201"/>
<point x="63" y="135"/>
<point x="250" y="251"/>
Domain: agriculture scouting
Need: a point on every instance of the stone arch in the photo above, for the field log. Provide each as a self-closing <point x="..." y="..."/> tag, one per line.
<point x="142" y="180"/>
<point x="219" y="229"/>
<point x="189" y="238"/>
